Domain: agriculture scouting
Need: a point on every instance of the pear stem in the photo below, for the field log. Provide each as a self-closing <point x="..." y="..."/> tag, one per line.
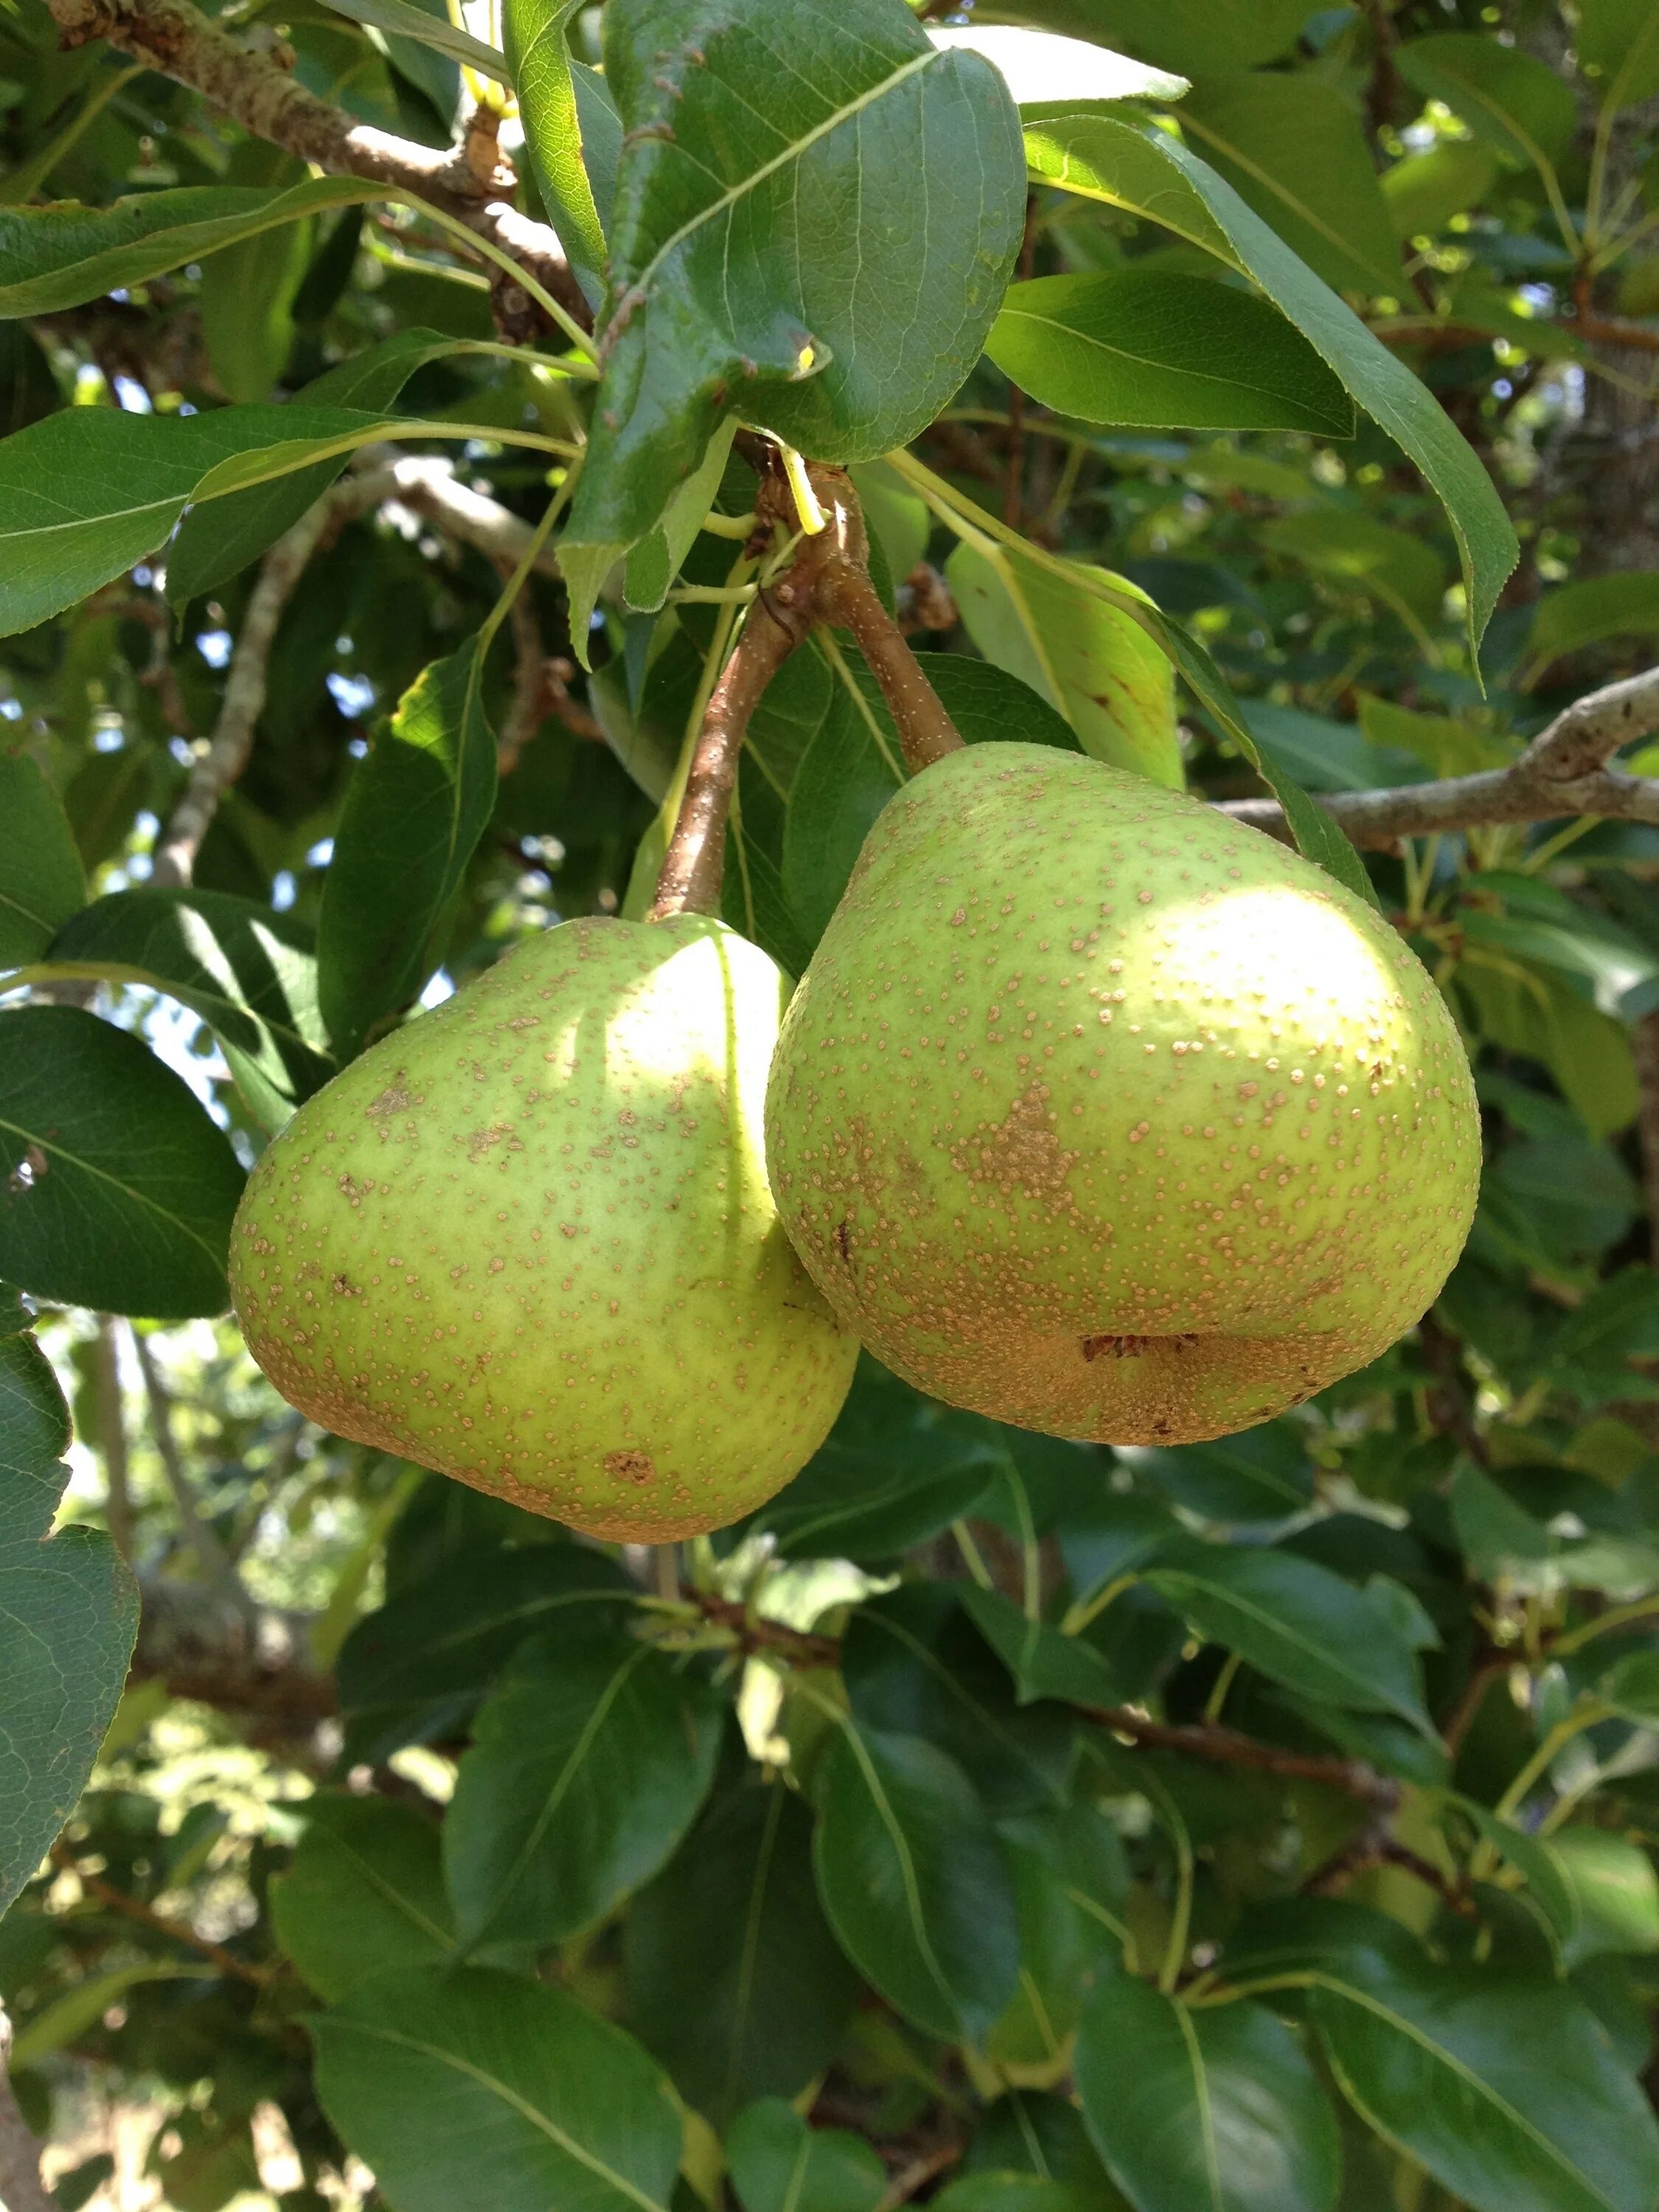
<point x="828" y="581"/>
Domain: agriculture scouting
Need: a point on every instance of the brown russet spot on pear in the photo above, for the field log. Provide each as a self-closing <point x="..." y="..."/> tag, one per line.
<point x="1105" y="1115"/>
<point x="528" y="1240"/>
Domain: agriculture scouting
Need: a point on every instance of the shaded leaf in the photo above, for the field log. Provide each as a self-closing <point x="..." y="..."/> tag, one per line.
<point x="1618" y="40"/>
<point x="472" y="2087"/>
<point x="1043" y="1663"/>
<point x="1145" y="347"/>
<point x="119" y="1189"/>
<point x="68" y="1612"/>
<point x="364" y="1894"/>
<point x="914" y="1882"/>
<point x="249" y="973"/>
<point x="778" y="2164"/>
<point x="41" y="881"/>
<point x="1296" y="1622"/>
<point x="416" y="809"/>
<point x="404" y="22"/>
<point x="735" y="1917"/>
<point x="538" y="53"/>
<point x="1512" y="100"/>
<point x="62" y="255"/>
<point x="1590" y="610"/>
<point x="587" y="1766"/>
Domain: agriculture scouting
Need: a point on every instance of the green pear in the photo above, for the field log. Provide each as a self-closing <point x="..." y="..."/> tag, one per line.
<point x="528" y="1240"/>
<point x="1106" y="1116"/>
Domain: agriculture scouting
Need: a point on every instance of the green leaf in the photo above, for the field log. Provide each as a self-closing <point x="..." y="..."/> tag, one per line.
<point x="88" y="491"/>
<point x="416" y="809"/>
<point x="844" y="329"/>
<point x="41" y="880"/>
<point x="1614" y="1890"/>
<point x="1618" y="42"/>
<point x="1318" y="838"/>
<point x="1292" y="148"/>
<point x="1070" y="1882"/>
<point x="1631" y="1687"/>
<point x="1295" y="1622"/>
<point x="119" y="1189"/>
<point x="1204" y="2109"/>
<point x="62" y="255"/>
<point x="1147" y="172"/>
<point x="245" y="292"/>
<point x="537" y="32"/>
<point x="249" y="973"/>
<point x="915" y="1665"/>
<point x="1192" y="36"/>
<point x="1425" y="190"/>
<point x="462" y="2087"/>
<point x="222" y="536"/>
<point x="587" y="1766"/>
<point x="1515" y="102"/>
<point x="1588" y="611"/>
<point x="778" y="2164"/>
<point x="364" y="1894"/>
<point x="1010" y="2193"/>
<point x="735" y="1917"/>
<point x="1044" y="2138"/>
<point x="414" y="1671"/>
<point x="68" y="1612"/>
<point x="913" y="1882"/>
<point x="1091" y="662"/>
<point x="404" y="22"/>
<point x="1146" y="348"/>
<point x="1503" y="2087"/>
<point x="1043" y="1663"/>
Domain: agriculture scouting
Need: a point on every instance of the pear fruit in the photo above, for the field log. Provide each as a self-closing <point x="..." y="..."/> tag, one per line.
<point x="528" y="1240"/>
<point x="1106" y="1116"/>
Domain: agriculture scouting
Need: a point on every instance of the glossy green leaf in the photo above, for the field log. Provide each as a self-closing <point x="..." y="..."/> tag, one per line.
<point x="220" y="537"/>
<point x="249" y="973"/>
<point x="68" y="1612"/>
<point x="1148" y="348"/>
<point x="119" y="1189"/>
<point x="415" y="810"/>
<point x="364" y="1894"/>
<point x="1591" y="610"/>
<point x="1263" y="1475"/>
<point x="1614" y="1890"/>
<point x="1503" y="2087"/>
<point x="463" y="2087"/>
<point x="399" y="19"/>
<point x="1147" y="172"/>
<point x="914" y="1882"/>
<point x="801" y="206"/>
<point x="59" y="256"/>
<point x="1070" y="1884"/>
<point x="1046" y="2138"/>
<point x="42" y="879"/>
<point x="88" y="492"/>
<point x="1511" y="99"/>
<point x="735" y="1916"/>
<point x="1091" y="662"/>
<point x="1204" y="2110"/>
<point x="1292" y="148"/>
<point x="587" y="1766"/>
<point x="1618" y="40"/>
<point x="1295" y="1622"/>
<point x="538" y="53"/>
<point x="778" y="2164"/>
<point x="414" y="1671"/>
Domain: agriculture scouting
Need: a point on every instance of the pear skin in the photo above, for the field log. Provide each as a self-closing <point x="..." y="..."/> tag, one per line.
<point x="1105" y="1115"/>
<point x="528" y="1240"/>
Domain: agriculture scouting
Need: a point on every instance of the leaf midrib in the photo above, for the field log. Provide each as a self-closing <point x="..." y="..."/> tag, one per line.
<point x="138" y="1197"/>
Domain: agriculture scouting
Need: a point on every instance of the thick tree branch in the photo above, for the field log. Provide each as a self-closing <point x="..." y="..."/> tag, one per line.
<point x="1562" y="772"/>
<point x="21" y="2189"/>
<point x="257" y="1662"/>
<point x="260" y="93"/>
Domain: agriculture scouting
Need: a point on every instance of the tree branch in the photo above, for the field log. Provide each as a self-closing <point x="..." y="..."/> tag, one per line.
<point x="21" y="2189"/>
<point x="112" y="1440"/>
<point x="1562" y="772"/>
<point x="260" y="93"/>
<point x="1224" y="1747"/>
<point x="254" y="1661"/>
<point x="145" y="1916"/>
